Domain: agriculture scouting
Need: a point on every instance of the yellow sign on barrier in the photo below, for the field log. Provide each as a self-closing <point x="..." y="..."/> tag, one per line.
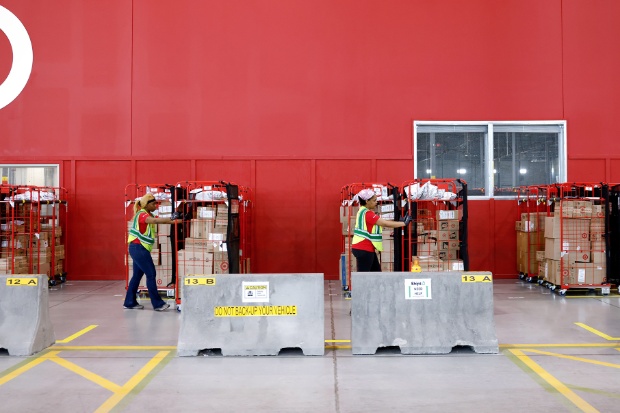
<point x="255" y="310"/>
<point x="199" y="281"/>
<point x="477" y="279"/>
<point x="21" y="282"/>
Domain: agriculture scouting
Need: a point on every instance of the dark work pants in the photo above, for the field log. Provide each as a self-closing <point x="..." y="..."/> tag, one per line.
<point x="366" y="261"/>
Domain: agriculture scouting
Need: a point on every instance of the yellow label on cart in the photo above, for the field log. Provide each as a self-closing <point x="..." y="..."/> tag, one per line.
<point x="255" y="310"/>
<point x="17" y="282"/>
<point x="477" y="278"/>
<point x="199" y="281"/>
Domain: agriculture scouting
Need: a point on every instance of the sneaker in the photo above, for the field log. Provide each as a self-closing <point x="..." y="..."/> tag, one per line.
<point x="163" y="307"/>
<point x="135" y="307"/>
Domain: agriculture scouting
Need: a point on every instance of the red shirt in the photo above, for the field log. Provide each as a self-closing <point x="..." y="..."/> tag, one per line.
<point x="141" y="225"/>
<point x="371" y="220"/>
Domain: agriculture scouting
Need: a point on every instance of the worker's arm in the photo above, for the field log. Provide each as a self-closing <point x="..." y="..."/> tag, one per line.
<point x="153" y="220"/>
<point x="390" y="224"/>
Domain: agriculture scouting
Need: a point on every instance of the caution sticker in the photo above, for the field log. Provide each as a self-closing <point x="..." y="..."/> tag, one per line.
<point x="255" y="292"/>
<point x="199" y="281"/>
<point x="477" y="278"/>
<point x="29" y="281"/>
<point x="255" y="311"/>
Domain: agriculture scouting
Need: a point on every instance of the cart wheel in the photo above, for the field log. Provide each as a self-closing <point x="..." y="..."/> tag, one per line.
<point x="345" y="288"/>
<point x="521" y="276"/>
<point x="52" y="282"/>
<point x="63" y="278"/>
<point x="552" y="287"/>
<point x="528" y="279"/>
<point x="540" y="282"/>
<point x="179" y="308"/>
<point x="562" y="292"/>
<point x="347" y="294"/>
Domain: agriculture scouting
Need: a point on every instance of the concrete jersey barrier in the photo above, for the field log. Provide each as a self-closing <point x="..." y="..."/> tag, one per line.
<point x="252" y="315"/>
<point x="422" y="313"/>
<point x="25" y="325"/>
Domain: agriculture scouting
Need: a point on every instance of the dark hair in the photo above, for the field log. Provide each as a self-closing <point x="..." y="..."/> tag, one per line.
<point x="362" y="202"/>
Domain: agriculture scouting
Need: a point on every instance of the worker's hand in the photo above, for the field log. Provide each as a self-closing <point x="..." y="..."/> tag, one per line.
<point x="176" y="215"/>
<point x="406" y="219"/>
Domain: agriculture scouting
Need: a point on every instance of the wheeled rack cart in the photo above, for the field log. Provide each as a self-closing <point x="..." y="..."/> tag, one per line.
<point x="577" y="239"/>
<point x="213" y="237"/>
<point x="32" y="238"/>
<point x="218" y="240"/>
<point x="437" y="237"/>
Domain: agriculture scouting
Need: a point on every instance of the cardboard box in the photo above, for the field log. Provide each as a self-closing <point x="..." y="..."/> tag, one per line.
<point x="192" y="243"/>
<point x="552" y="227"/>
<point x="453" y="265"/>
<point x="448" y="255"/>
<point x="448" y="245"/>
<point x="448" y="214"/>
<point x="448" y="225"/>
<point x="200" y="228"/>
<point x="586" y="274"/>
<point x="575" y="229"/>
<point x="429" y="263"/>
<point x="447" y="235"/>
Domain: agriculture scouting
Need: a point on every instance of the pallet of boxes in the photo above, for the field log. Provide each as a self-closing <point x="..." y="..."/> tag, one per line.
<point x="205" y="250"/>
<point x="438" y="242"/>
<point x="575" y="245"/>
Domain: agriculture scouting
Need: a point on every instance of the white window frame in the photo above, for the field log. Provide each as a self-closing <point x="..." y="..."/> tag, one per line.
<point x="56" y="183"/>
<point x="489" y="175"/>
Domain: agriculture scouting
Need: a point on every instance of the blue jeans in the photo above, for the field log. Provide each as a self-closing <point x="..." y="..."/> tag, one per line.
<point x="142" y="265"/>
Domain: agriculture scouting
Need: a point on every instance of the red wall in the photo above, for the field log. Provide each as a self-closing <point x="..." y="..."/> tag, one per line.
<point x="295" y="99"/>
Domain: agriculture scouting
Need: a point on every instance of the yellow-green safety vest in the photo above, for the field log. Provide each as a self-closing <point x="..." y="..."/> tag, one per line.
<point x="361" y="232"/>
<point x="148" y="238"/>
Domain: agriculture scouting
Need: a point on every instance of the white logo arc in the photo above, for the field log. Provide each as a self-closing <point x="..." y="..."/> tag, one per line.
<point x="16" y="81"/>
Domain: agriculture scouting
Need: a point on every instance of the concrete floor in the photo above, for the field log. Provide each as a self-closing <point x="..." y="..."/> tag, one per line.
<point x="558" y="354"/>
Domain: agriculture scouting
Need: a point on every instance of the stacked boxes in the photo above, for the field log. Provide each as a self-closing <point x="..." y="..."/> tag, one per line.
<point x="530" y="241"/>
<point x="575" y="244"/>
<point x="30" y="239"/>
<point x="205" y="251"/>
<point x="438" y="242"/>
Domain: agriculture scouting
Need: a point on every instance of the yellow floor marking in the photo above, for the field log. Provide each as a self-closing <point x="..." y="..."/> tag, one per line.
<point x="95" y="378"/>
<point x="595" y="331"/>
<point x="118" y="396"/>
<point x="113" y="348"/>
<point x="564" y="356"/>
<point x="509" y="346"/>
<point x="21" y="370"/>
<point x="76" y="335"/>
<point x="336" y="347"/>
<point x="337" y="341"/>
<point x="555" y="383"/>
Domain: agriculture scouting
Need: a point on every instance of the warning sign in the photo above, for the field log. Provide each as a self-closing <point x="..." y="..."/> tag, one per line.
<point x="418" y="289"/>
<point x="255" y="291"/>
<point x="255" y="311"/>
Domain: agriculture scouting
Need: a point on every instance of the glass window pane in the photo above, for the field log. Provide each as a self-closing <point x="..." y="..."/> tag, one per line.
<point x="35" y="175"/>
<point x="524" y="158"/>
<point x="453" y="155"/>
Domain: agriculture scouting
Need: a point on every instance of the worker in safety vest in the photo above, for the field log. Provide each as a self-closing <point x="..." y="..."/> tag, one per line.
<point x="367" y="234"/>
<point x="142" y="236"/>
